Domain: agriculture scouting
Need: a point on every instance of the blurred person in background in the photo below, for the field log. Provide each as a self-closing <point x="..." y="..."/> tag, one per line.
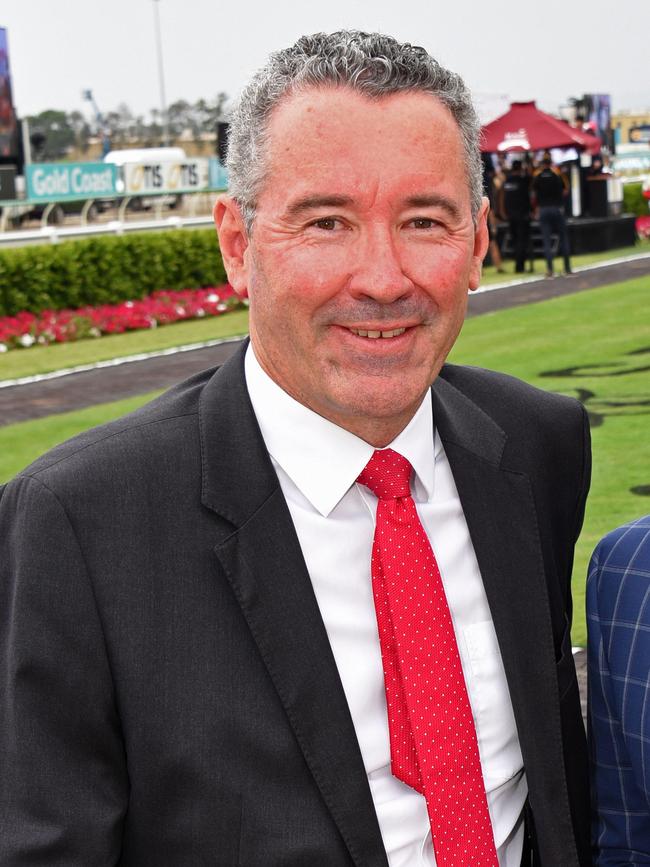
<point x="515" y="206"/>
<point x="492" y="181"/>
<point x="550" y="192"/>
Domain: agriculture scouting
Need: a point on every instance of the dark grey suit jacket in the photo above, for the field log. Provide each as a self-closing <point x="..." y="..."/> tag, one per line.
<point x="168" y="695"/>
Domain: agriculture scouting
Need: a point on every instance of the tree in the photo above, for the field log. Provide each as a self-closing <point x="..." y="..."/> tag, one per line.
<point x="55" y="133"/>
<point x="81" y="129"/>
<point x="58" y="135"/>
<point x="181" y="116"/>
<point x="210" y="113"/>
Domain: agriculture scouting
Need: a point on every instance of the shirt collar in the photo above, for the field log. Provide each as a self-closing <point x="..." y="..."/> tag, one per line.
<point x="322" y="459"/>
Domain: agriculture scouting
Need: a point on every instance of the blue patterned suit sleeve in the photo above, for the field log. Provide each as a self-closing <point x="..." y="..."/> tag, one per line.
<point x="618" y="619"/>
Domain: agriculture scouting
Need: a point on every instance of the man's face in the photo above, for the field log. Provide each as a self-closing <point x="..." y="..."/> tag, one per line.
<point x="363" y="228"/>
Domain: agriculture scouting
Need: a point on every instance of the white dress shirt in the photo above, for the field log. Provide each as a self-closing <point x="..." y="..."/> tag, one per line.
<point x="317" y="464"/>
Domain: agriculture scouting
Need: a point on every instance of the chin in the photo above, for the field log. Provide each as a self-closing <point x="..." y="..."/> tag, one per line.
<point x="378" y="405"/>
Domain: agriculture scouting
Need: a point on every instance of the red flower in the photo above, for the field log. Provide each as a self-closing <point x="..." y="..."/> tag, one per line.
<point x="160" y="308"/>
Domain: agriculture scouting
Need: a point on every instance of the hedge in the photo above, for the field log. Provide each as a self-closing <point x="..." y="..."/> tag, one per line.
<point x="107" y="269"/>
<point x="634" y="201"/>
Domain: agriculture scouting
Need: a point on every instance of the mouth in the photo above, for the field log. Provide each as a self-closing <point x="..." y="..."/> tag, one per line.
<point x="377" y="335"/>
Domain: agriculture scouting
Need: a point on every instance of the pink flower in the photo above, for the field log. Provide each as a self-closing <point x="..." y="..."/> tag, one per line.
<point x="162" y="307"/>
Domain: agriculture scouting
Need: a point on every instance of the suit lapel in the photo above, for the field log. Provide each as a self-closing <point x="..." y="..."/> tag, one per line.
<point x="259" y="552"/>
<point x="502" y="520"/>
<point x="261" y="556"/>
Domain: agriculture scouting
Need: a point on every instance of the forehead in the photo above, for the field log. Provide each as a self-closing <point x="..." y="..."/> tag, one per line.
<point x="334" y="135"/>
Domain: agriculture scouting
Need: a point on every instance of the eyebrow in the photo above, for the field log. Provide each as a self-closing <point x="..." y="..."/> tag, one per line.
<point x="310" y="203"/>
<point x="428" y="200"/>
<point x="433" y="200"/>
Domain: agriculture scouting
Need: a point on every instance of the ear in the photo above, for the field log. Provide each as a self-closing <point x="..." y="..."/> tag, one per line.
<point x="233" y="242"/>
<point x="481" y="243"/>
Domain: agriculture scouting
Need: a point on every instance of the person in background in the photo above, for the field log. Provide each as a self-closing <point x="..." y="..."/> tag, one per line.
<point x="492" y="181"/>
<point x="596" y="167"/>
<point x="550" y="192"/>
<point x="515" y="206"/>
<point x="618" y="624"/>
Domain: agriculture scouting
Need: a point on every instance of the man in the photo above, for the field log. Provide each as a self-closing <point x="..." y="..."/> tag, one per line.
<point x="515" y="204"/>
<point x="198" y="649"/>
<point x="550" y="192"/>
<point x="618" y="621"/>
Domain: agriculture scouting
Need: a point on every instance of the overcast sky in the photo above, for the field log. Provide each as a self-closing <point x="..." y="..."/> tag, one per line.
<point x="547" y="51"/>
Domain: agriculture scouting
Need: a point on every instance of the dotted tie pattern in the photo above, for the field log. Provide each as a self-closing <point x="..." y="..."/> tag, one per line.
<point x="432" y="736"/>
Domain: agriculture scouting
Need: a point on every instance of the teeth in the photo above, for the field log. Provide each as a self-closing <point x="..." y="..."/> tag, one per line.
<point x="395" y="333"/>
<point x="375" y="334"/>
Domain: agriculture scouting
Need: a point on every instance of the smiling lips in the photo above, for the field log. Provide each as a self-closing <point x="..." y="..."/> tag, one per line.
<point x="362" y="332"/>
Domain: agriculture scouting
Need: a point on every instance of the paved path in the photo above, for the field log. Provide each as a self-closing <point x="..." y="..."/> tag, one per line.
<point x="78" y="390"/>
<point x="488" y="300"/>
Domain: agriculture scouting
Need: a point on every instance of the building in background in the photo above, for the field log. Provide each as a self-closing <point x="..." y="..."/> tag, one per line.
<point x="631" y="127"/>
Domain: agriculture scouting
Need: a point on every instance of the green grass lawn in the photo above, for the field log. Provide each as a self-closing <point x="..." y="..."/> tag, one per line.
<point x="37" y="359"/>
<point x="594" y="345"/>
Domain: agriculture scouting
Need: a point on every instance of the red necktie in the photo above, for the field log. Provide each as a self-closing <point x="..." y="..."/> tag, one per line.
<point x="432" y="736"/>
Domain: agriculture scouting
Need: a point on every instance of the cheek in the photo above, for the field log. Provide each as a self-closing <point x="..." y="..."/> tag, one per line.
<point x="441" y="272"/>
<point x="304" y="276"/>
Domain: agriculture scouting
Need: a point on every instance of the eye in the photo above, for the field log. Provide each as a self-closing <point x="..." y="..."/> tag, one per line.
<point x="424" y="223"/>
<point x="326" y="223"/>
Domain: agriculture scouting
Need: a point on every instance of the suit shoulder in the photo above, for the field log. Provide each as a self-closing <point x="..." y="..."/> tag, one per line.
<point x="618" y="583"/>
<point x="505" y="397"/>
<point x="545" y="435"/>
<point x="627" y="548"/>
<point x="159" y="425"/>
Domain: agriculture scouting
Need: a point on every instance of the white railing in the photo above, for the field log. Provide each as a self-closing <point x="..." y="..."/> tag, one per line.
<point x="54" y="234"/>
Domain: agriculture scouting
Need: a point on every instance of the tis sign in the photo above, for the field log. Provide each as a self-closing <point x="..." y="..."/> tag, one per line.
<point x="166" y="176"/>
<point x="49" y="182"/>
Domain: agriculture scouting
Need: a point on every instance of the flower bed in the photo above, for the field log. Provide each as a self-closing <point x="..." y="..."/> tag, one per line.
<point x="160" y="308"/>
<point x="643" y="228"/>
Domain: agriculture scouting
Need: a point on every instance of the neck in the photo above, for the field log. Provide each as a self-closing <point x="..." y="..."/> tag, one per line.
<point x="376" y="432"/>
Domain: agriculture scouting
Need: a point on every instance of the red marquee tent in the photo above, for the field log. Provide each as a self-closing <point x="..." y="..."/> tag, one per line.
<point x="524" y="127"/>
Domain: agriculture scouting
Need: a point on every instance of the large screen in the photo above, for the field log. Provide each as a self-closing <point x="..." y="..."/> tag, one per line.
<point x="8" y="136"/>
<point x="599" y="113"/>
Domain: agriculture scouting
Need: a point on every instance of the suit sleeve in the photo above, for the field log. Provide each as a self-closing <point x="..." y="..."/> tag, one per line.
<point x="580" y="505"/>
<point x="63" y="778"/>
<point x="618" y="622"/>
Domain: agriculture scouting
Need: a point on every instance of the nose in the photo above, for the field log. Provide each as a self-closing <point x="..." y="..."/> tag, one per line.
<point x="378" y="271"/>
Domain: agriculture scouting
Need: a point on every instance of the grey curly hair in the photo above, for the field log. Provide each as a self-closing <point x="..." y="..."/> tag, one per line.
<point x="370" y="63"/>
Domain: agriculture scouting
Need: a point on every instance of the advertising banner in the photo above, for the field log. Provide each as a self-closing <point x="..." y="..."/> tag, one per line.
<point x="599" y="116"/>
<point x="632" y="161"/>
<point x="166" y="176"/>
<point x="218" y="175"/>
<point x="52" y="182"/>
<point x="8" y="130"/>
<point x="640" y="134"/>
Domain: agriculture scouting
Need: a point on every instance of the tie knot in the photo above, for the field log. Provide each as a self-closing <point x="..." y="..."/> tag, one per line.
<point x="387" y="474"/>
